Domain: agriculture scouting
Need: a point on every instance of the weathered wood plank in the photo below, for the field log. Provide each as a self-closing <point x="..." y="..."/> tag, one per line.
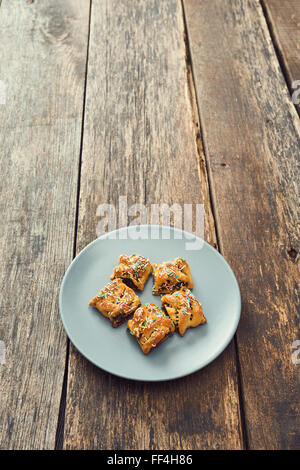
<point x="284" y="20"/>
<point x="43" y="48"/>
<point x="140" y="140"/>
<point x="251" y="135"/>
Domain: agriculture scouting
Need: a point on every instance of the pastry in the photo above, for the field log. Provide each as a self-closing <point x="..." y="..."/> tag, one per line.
<point x="134" y="270"/>
<point x="151" y="326"/>
<point x="171" y="276"/>
<point x="116" y="301"/>
<point x="184" y="309"/>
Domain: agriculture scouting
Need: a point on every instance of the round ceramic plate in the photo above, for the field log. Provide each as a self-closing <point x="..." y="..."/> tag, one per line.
<point x="114" y="349"/>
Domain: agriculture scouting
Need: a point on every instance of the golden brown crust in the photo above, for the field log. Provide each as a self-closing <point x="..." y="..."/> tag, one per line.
<point x="151" y="326"/>
<point x="134" y="269"/>
<point x="184" y="309"/>
<point x="171" y="276"/>
<point x="116" y="301"/>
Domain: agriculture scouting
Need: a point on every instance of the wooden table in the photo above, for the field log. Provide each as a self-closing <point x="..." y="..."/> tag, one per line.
<point x="163" y="101"/>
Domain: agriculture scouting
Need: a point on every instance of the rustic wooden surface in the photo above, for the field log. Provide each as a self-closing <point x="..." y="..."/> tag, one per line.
<point x="252" y="151"/>
<point x="137" y="143"/>
<point x="175" y="102"/>
<point x="43" y="54"/>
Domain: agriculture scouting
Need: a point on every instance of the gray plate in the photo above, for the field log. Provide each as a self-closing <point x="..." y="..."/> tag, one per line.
<point x="116" y="351"/>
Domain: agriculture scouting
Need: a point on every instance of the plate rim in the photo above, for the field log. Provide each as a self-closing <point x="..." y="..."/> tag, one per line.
<point x="174" y="229"/>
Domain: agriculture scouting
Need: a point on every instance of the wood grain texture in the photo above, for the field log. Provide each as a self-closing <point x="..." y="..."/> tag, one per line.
<point x="284" y="19"/>
<point x="43" y="49"/>
<point x="140" y="140"/>
<point x="251" y="137"/>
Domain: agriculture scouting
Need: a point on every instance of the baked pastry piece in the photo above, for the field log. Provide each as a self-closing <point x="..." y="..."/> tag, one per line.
<point x="116" y="301"/>
<point x="134" y="270"/>
<point x="151" y="326"/>
<point x="184" y="309"/>
<point x="171" y="276"/>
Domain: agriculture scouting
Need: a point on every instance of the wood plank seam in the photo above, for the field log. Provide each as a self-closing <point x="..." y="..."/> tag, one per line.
<point x="196" y="118"/>
<point x="200" y="144"/>
<point x="43" y="53"/>
<point x="278" y="52"/>
<point x="62" y="408"/>
<point x="201" y="150"/>
<point x="288" y="78"/>
<point x="59" y="438"/>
